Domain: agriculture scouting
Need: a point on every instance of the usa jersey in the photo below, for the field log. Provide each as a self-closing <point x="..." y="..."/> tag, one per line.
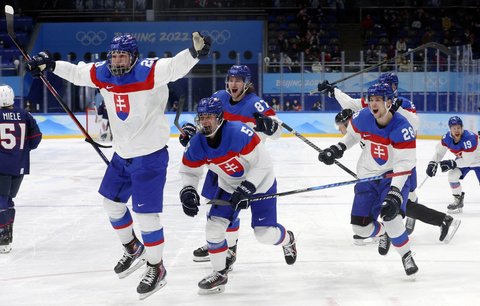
<point x="240" y="156"/>
<point x="244" y="109"/>
<point x="136" y="101"/>
<point x="392" y="147"/>
<point x="406" y="109"/>
<point x="467" y="151"/>
<point x="19" y="133"/>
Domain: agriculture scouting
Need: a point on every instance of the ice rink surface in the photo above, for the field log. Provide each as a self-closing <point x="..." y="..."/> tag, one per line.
<point x="64" y="248"/>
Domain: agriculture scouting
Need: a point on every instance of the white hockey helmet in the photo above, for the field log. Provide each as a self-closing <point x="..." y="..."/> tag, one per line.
<point x="6" y="95"/>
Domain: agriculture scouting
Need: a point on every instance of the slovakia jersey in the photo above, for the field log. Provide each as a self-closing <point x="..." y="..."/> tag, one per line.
<point x="19" y="133"/>
<point x="136" y="101"/>
<point x="466" y="150"/>
<point x="389" y="148"/>
<point x="240" y="156"/>
<point x="244" y="109"/>
<point x="406" y="109"/>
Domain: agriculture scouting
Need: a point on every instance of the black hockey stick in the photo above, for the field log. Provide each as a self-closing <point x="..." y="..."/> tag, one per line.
<point x="9" y="12"/>
<point x="177" y="115"/>
<point x="281" y="194"/>
<point x="311" y="144"/>
<point x="434" y="45"/>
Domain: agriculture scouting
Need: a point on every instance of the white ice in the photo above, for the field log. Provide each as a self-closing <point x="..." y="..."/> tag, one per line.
<point x="64" y="249"/>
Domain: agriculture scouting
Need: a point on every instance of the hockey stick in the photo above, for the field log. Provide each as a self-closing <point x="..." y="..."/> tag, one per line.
<point x="434" y="45"/>
<point x="311" y="144"/>
<point x="9" y="12"/>
<point x="281" y="194"/>
<point x="423" y="182"/>
<point x="177" y="115"/>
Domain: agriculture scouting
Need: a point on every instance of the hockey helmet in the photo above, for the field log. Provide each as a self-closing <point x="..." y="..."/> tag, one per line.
<point x="455" y="120"/>
<point x="382" y="90"/>
<point x="122" y="44"/>
<point x="389" y="78"/>
<point x="6" y="95"/>
<point x="209" y="106"/>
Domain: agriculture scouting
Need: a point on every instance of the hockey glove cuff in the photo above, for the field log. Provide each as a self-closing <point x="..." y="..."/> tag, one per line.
<point x="241" y="195"/>
<point x="391" y="204"/>
<point x="448" y="165"/>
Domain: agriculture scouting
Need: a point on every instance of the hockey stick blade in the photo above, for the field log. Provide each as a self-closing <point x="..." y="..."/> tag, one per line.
<point x="9" y="13"/>
<point x="281" y="194"/>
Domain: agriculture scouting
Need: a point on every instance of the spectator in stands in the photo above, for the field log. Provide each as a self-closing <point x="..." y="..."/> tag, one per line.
<point x="297" y="106"/>
<point x="367" y="23"/>
<point x="317" y="106"/>
<point x="401" y="45"/>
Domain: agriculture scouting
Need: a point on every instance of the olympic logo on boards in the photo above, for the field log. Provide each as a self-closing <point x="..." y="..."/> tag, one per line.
<point x="218" y="37"/>
<point x="91" y="38"/>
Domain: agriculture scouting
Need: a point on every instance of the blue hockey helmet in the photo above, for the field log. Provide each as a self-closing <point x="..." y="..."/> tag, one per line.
<point x="455" y="120"/>
<point x="389" y="78"/>
<point x="382" y="90"/>
<point x="209" y="106"/>
<point x="122" y="44"/>
<point x="240" y="71"/>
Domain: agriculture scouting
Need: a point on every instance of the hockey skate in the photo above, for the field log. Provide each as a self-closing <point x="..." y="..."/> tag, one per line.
<point x="410" y="225"/>
<point x="5" y="246"/>
<point x="409" y="264"/>
<point x="153" y="280"/>
<point x="201" y="254"/>
<point x="133" y="258"/>
<point x="231" y="257"/>
<point x="457" y="206"/>
<point x="290" y="250"/>
<point x="384" y="244"/>
<point x="214" y="283"/>
<point x="448" y="228"/>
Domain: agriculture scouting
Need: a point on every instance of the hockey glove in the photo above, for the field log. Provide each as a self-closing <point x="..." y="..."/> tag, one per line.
<point x="39" y="63"/>
<point x="448" y="165"/>
<point x="265" y="124"/>
<point x="200" y="45"/>
<point x="396" y="104"/>
<point x="190" y="201"/>
<point x="329" y="155"/>
<point x="241" y="195"/>
<point x="391" y="204"/>
<point x="190" y="130"/>
<point x="432" y="168"/>
<point x="326" y="88"/>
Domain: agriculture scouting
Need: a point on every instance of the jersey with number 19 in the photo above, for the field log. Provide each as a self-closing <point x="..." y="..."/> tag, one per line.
<point x="240" y="156"/>
<point x="135" y="101"/>
<point x="388" y="148"/>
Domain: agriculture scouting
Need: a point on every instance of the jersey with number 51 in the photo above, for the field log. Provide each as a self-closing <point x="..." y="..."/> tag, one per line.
<point x="244" y="109"/>
<point x="388" y="148"/>
<point x="240" y="156"/>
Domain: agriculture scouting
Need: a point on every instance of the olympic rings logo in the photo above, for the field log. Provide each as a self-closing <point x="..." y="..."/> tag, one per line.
<point x="218" y="37"/>
<point x="91" y="38"/>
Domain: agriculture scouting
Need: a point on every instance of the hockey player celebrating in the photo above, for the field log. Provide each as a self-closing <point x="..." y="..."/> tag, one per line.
<point x="19" y="135"/>
<point x="240" y="103"/>
<point x="389" y="146"/>
<point x="448" y="225"/>
<point x="236" y="154"/>
<point x="464" y="145"/>
<point x="135" y="94"/>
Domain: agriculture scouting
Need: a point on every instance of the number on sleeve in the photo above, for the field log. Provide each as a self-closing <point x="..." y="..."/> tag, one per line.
<point x="247" y="131"/>
<point x="408" y="134"/>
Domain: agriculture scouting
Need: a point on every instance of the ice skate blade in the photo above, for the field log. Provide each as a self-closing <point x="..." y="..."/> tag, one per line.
<point x="5" y="249"/>
<point x="455" y="211"/>
<point x="365" y="241"/>
<point x="160" y="285"/>
<point x="214" y="290"/>
<point x="201" y="259"/>
<point x="133" y="268"/>
<point x="452" y="230"/>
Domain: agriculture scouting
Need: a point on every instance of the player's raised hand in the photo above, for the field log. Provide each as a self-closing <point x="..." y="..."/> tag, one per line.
<point x="326" y="88"/>
<point x="190" y="130"/>
<point x="39" y="63"/>
<point x="265" y="124"/>
<point x="200" y="45"/>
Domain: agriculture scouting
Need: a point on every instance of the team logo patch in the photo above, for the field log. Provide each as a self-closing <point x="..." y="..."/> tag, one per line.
<point x="232" y="167"/>
<point x="379" y="153"/>
<point x="122" y="106"/>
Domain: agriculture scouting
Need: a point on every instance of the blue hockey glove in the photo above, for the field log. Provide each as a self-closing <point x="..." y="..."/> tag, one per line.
<point x="329" y="155"/>
<point x="241" y="195"/>
<point x="391" y="204"/>
<point x="190" y="201"/>
<point x="326" y="88"/>
<point x="448" y="165"/>
<point x="200" y="45"/>
<point x="39" y="63"/>
<point x="265" y="124"/>
<point x="190" y="130"/>
<point x="432" y="168"/>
